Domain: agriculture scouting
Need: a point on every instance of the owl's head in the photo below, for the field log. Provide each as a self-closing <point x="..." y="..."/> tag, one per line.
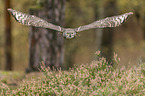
<point x="69" y="33"/>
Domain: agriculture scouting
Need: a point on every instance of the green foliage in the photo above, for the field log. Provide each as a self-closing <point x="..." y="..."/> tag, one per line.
<point x="98" y="78"/>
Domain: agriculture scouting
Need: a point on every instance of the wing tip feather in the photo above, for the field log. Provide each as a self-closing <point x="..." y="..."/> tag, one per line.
<point x="9" y="9"/>
<point x="129" y="13"/>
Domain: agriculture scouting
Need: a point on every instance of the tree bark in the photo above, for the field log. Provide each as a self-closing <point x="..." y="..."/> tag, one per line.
<point x="8" y="38"/>
<point x="99" y="13"/>
<point x="45" y="44"/>
<point x="107" y="39"/>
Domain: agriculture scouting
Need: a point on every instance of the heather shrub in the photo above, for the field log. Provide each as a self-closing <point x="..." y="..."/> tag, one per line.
<point x="98" y="78"/>
<point x="4" y="89"/>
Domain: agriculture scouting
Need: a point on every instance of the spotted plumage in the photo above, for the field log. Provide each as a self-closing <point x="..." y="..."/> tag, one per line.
<point x="32" y="20"/>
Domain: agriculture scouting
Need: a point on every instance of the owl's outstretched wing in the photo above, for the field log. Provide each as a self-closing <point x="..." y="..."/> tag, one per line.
<point x="107" y="22"/>
<point x="32" y="20"/>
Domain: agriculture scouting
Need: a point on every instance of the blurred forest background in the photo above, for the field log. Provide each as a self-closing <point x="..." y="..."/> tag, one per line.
<point x="127" y="40"/>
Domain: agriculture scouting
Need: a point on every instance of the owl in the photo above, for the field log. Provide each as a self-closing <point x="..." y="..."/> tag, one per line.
<point x="68" y="33"/>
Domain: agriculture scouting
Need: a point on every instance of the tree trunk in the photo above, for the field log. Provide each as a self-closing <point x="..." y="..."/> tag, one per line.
<point x="143" y="23"/>
<point x="45" y="44"/>
<point x="8" y="37"/>
<point x="99" y="13"/>
<point x="107" y="39"/>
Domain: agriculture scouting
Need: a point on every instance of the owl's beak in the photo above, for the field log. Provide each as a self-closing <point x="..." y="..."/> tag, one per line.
<point x="70" y="36"/>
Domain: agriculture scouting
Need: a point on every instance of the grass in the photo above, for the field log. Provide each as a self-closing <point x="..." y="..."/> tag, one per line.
<point x="95" y="79"/>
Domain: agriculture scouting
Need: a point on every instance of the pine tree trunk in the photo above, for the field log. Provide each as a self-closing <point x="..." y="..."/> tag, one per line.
<point x="99" y="13"/>
<point x="45" y="44"/>
<point x="107" y="39"/>
<point x="8" y="37"/>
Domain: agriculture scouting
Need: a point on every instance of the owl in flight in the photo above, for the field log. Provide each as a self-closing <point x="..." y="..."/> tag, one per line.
<point x="69" y="33"/>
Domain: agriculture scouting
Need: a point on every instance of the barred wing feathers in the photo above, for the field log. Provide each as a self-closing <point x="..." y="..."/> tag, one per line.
<point x="32" y="20"/>
<point x="107" y="22"/>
